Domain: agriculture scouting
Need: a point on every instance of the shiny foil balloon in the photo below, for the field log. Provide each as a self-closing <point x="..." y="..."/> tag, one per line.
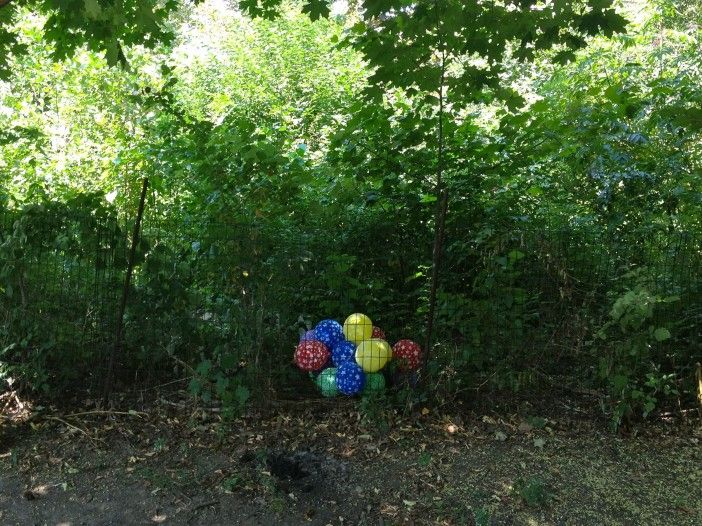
<point x="329" y="332"/>
<point x="311" y="355"/>
<point x="408" y="355"/>
<point x="372" y="355"/>
<point x="350" y="378"/>
<point x="358" y="327"/>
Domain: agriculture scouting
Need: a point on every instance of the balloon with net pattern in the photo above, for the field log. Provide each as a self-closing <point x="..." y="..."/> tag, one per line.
<point x="326" y="382"/>
<point x="372" y="355"/>
<point x="350" y="378"/>
<point x="308" y="335"/>
<point x="375" y="382"/>
<point x="329" y="332"/>
<point x="378" y="333"/>
<point x="311" y="355"/>
<point x="348" y="358"/>
<point x="358" y="327"/>
<point x="408" y="355"/>
<point x="342" y="352"/>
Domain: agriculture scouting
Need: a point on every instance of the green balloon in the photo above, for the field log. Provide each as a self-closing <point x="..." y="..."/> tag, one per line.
<point x="326" y="381"/>
<point x="375" y="382"/>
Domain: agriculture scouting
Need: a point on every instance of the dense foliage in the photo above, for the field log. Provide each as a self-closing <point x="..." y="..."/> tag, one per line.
<point x="295" y="168"/>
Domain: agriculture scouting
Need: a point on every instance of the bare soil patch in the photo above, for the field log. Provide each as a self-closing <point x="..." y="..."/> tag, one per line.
<point x="330" y="463"/>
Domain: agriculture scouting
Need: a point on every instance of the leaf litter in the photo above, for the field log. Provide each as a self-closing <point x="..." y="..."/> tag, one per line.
<point x="324" y="463"/>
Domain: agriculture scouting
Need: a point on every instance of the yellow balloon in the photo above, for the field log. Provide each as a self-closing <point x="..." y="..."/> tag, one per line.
<point x="387" y="350"/>
<point x="372" y="355"/>
<point x="358" y="327"/>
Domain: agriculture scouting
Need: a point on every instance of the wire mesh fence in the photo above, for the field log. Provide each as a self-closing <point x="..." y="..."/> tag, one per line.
<point x="226" y="303"/>
<point x="60" y="276"/>
<point x="537" y="300"/>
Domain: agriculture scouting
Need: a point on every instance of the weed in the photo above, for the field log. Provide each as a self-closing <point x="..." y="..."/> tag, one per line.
<point x="375" y="410"/>
<point x="424" y="459"/>
<point x="481" y="516"/>
<point x="231" y="483"/>
<point x="155" y="477"/>
<point x="159" y="444"/>
<point x="537" y="422"/>
<point x="533" y="492"/>
<point x="277" y="504"/>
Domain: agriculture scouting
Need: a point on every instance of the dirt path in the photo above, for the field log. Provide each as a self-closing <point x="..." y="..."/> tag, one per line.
<point x="327" y="464"/>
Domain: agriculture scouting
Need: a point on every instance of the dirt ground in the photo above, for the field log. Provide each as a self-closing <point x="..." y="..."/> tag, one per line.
<point x="337" y="462"/>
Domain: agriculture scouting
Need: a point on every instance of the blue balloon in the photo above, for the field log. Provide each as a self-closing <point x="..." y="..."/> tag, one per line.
<point x="350" y="378"/>
<point x="309" y="335"/>
<point x="329" y="332"/>
<point x="343" y="351"/>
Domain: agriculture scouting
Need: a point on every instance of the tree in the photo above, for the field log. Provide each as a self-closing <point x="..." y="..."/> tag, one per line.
<point x="451" y="53"/>
<point x="397" y="36"/>
<point x="101" y="25"/>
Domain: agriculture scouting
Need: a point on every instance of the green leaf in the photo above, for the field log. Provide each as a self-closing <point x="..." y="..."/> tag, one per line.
<point x="204" y="367"/>
<point x="515" y="255"/>
<point x="242" y="394"/>
<point x="316" y="9"/>
<point x="92" y="9"/>
<point x="690" y="118"/>
<point x="222" y="384"/>
<point x="614" y="93"/>
<point x="661" y="334"/>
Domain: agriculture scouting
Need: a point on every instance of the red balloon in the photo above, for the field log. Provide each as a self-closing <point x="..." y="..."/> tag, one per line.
<point x="311" y="355"/>
<point x="378" y="333"/>
<point x="408" y="355"/>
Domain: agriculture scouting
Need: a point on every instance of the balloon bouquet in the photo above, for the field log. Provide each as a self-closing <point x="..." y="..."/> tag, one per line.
<point x="349" y="358"/>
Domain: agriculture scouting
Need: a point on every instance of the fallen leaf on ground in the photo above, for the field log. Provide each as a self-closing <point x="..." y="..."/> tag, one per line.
<point x="525" y="427"/>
